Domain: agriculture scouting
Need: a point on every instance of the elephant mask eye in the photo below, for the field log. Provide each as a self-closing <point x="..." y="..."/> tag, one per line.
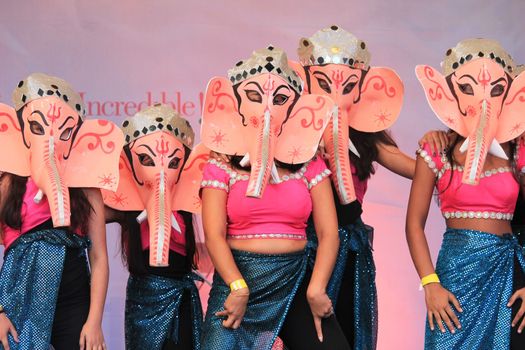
<point x="36" y="128"/>
<point x="174" y="163"/>
<point x="254" y="96"/>
<point x="466" y="89"/>
<point x="323" y="84"/>
<point x="497" y="90"/>
<point x="66" y="134"/>
<point x="349" y="87"/>
<point x="280" y="99"/>
<point x="145" y="160"/>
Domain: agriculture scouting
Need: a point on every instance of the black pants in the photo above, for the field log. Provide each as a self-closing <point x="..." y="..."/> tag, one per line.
<point x="72" y="303"/>
<point x="185" y="327"/>
<point x="298" y="332"/>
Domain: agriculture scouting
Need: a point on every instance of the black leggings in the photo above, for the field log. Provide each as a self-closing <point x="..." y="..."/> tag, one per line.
<point x="185" y="327"/>
<point x="73" y="301"/>
<point x="298" y="332"/>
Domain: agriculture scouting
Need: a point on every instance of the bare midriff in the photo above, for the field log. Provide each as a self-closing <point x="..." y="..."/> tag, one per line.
<point x="267" y="245"/>
<point x="497" y="227"/>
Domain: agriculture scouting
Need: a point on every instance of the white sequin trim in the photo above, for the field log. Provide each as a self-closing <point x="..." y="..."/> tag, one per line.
<point x="268" y="235"/>
<point x="477" y="215"/>
<point x="428" y="159"/>
<point x="486" y="173"/>
<point x="215" y="184"/>
<point x="318" y="178"/>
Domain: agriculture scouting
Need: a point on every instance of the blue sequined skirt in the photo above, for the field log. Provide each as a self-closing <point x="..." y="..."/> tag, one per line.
<point x="273" y="280"/>
<point x="355" y="239"/>
<point x="477" y="267"/>
<point x="152" y="310"/>
<point x="29" y="283"/>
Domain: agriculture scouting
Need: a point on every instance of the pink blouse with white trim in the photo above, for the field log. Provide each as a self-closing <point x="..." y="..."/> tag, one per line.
<point x="493" y="198"/>
<point x="282" y="211"/>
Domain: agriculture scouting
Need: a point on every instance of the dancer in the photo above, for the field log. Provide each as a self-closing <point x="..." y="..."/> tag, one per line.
<point x="255" y="209"/>
<point x="470" y="293"/>
<point x="51" y="212"/>
<point x="335" y="63"/>
<point x="156" y="188"/>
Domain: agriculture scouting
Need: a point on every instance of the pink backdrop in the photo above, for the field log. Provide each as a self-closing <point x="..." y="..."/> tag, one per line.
<point x="125" y="54"/>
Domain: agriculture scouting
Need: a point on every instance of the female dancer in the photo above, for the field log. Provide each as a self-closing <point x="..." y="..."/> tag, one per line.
<point x="335" y="63"/>
<point x="46" y="293"/>
<point x="470" y="292"/>
<point x="163" y="309"/>
<point x="263" y="286"/>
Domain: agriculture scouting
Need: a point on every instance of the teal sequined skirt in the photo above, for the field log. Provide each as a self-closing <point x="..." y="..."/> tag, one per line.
<point x="273" y="280"/>
<point x="355" y="239"/>
<point x="477" y="267"/>
<point x="29" y="283"/>
<point x="152" y="310"/>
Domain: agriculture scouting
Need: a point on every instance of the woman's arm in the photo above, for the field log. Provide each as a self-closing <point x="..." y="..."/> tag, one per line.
<point x="437" y="298"/>
<point x="214" y="221"/>
<point x="91" y="335"/>
<point x="325" y="220"/>
<point x="402" y="164"/>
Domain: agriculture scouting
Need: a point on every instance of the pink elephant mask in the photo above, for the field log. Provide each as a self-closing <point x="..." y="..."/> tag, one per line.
<point x="259" y="114"/>
<point x="49" y="140"/>
<point x="479" y="97"/>
<point x="157" y="174"/>
<point x="336" y="64"/>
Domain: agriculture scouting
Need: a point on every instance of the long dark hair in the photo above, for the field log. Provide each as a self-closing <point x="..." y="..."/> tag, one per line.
<point x="367" y="145"/>
<point x="131" y="244"/>
<point x="11" y="203"/>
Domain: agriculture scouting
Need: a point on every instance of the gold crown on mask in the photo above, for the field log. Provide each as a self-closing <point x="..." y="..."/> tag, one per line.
<point x="333" y="45"/>
<point x="269" y="60"/>
<point x="40" y="85"/>
<point x="158" y="117"/>
<point x="471" y="49"/>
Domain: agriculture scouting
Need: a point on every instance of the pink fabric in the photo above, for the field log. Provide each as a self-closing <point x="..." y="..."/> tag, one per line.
<point x="496" y="192"/>
<point x="33" y="214"/>
<point x="282" y="211"/>
<point x="177" y="239"/>
<point x="360" y="187"/>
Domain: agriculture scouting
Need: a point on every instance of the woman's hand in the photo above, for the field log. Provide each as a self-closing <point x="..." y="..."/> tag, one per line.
<point x="519" y="294"/>
<point x="234" y="308"/>
<point x="91" y="337"/>
<point x="436" y="139"/>
<point x="321" y="307"/>
<point x="438" y="301"/>
<point x="6" y="327"/>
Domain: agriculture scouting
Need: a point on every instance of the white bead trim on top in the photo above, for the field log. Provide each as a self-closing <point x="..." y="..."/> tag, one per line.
<point x="477" y="215"/>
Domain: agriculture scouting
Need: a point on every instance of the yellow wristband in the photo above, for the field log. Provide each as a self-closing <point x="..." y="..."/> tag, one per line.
<point x="432" y="278"/>
<point x="238" y="284"/>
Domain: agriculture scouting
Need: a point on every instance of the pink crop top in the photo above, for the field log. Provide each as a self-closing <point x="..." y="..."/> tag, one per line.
<point x="177" y="239"/>
<point x="493" y="198"/>
<point x="33" y="214"/>
<point x="282" y="211"/>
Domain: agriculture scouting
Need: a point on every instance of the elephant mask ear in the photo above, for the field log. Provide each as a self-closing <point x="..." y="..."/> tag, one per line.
<point x="126" y="197"/>
<point x="301" y="133"/>
<point x="511" y="121"/>
<point x="380" y="101"/>
<point x="16" y="159"/>
<point x="186" y="196"/>
<point x="222" y="127"/>
<point x="95" y="154"/>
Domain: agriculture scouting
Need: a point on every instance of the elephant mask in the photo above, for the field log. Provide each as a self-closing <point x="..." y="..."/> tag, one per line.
<point x="50" y="141"/>
<point x="259" y="114"/>
<point x="480" y="96"/>
<point x="157" y="174"/>
<point x="335" y="63"/>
